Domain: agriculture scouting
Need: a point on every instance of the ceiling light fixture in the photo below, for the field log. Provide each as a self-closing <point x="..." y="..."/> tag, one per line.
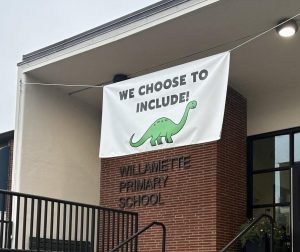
<point x="288" y="29"/>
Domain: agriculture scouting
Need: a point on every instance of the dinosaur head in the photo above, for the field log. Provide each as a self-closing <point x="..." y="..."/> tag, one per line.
<point x="192" y="104"/>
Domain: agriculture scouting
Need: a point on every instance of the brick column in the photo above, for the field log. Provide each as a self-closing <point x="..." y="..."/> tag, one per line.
<point x="202" y="204"/>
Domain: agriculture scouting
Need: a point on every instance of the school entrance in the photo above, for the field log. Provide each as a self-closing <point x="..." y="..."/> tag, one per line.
<point x="274" y="176"/>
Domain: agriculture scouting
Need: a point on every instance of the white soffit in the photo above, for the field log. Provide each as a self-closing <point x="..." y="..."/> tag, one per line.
<point x="119" y="33"/>
<point x="267" y="64"/>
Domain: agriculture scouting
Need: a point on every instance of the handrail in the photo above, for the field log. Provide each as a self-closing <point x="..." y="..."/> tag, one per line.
<point x="27" y="195"/>
<point x="245" y="230"/>
<point x="42" y="223"/>
<point x="164" y="230"/>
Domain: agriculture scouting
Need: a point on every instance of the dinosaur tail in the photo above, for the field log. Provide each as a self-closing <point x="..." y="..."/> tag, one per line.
<point x="140" y="142"/>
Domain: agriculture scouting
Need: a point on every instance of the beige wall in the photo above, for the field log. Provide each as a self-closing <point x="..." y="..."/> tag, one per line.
<point x="59" y="139"/>
<point x="274" y="111"/>
<point x="59" y="146"/>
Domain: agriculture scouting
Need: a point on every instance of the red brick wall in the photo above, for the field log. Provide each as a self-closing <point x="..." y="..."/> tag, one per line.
<point x="203" y="205"/>
<point x="232" y="171"/>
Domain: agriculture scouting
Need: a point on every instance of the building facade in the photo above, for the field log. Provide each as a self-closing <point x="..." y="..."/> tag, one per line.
<point x="206" y="191"/>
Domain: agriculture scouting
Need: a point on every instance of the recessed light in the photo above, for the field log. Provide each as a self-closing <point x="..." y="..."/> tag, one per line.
<point x="288" y="29"/>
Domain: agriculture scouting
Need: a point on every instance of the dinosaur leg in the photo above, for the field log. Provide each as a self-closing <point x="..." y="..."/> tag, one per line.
<point x="153" y="141"/>
<point x="169" y="139"/>
<point x="159" y="140"/>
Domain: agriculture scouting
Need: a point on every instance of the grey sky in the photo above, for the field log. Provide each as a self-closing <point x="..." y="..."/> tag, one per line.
<point x="26" y="26"/>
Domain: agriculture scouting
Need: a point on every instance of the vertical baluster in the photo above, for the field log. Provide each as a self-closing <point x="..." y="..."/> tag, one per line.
<point x="6" y="230"/>
<point x="127" y="231"/>
<point x="9" y="233"/>
<point x="113" y="230"/>
<point x="87" y="229"/>
<point x="64" y="226"/>
<point x="51" y="225"/>
<point x="24" y="223"/>
<point x="98" y="230"/>
<point x="31" y="222"/>
<point x="17" y="223"/>
<point x="108" y="229"/>
<point x="3" y="197"/>
<point x="45" y="224"/>
<point x="76" y="227"/>
<point x="6" y="222"/>
<point x="93" y="230"/>
<point x="103" y="230"/>
<point x="123" y="230"/>
<point x="136" y="230"/>
<point x="70" y="226"/>
<point x="4" y="234"/>
<point x="57" y="227"/>
<point x="118" y="228"/>
<point x="131" y="233"/>
<point x="38" y="225"/>
<point x="81" y="227"/>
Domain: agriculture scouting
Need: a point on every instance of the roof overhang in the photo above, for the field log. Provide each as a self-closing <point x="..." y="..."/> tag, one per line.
<point x="182" y="32"/>
<point x="125" y="26"/>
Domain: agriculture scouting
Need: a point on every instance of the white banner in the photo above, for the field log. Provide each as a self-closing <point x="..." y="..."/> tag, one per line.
<point x="174" y="107"/>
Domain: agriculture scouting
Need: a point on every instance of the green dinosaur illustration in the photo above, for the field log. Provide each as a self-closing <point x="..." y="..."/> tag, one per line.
<point x="163" y="127"/>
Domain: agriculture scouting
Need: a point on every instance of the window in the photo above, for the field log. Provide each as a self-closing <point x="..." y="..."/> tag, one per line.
<point x="270" y="178"/>
<point x="272" y="152"/>
<point x="297" y="147"/>
<point x="271" y="187"/>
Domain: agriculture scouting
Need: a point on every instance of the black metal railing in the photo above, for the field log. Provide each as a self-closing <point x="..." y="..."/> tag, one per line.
<point x="30" y="222"/>
<point x="246" y="229"/>
<point x="130" y="239"/>
<point x="5" y="233"/>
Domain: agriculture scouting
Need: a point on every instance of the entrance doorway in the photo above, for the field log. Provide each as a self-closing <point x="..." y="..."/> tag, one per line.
<point x="274" y="182"/>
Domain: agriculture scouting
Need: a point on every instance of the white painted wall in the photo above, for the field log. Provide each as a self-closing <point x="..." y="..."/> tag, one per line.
<point x="274" y="111"/>
<point x="59" y="144"/>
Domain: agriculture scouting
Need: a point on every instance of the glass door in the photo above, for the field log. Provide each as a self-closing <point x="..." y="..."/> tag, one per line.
<point x="271" y="182"/>
<point x="274" y="182"/>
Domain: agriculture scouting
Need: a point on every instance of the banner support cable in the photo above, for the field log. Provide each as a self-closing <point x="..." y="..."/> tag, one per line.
<point x="101" y="85"/>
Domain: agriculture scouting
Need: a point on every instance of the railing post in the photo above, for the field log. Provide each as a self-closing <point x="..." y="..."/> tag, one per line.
<point x="24" y="223"/>
<point x="164" y="239"/>
<point x="10" y="228"/>
<point x="272" y="234"/>
<point x="38" y="225"/>
<point x="16" y="237"/>
<point x="136" y="230"/>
